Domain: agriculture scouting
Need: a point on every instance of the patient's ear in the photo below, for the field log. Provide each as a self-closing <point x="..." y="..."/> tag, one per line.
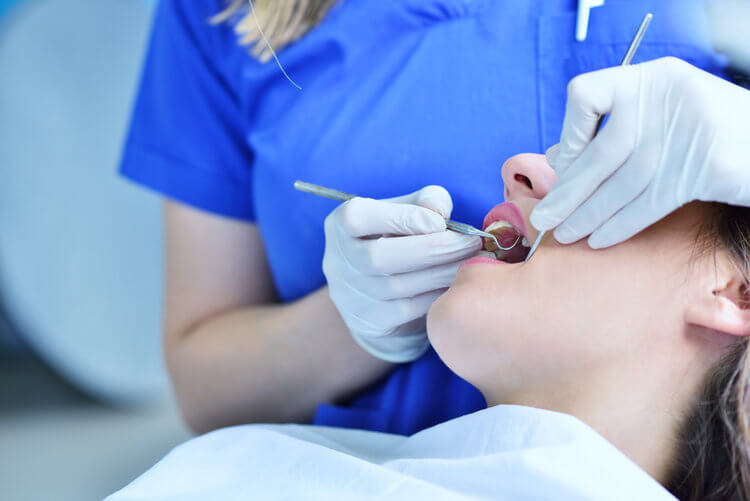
<point x="723" y="301"/>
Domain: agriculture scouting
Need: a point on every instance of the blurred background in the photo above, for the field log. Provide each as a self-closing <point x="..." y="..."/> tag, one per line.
<point x="84" y="400"/>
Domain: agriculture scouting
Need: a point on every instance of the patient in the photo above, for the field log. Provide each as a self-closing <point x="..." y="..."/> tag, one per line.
<point x="609" y="374"/>
<point x="645" y="341"/>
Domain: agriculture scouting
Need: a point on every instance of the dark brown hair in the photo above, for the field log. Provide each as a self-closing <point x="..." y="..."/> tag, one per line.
<point x="713" y="457"/>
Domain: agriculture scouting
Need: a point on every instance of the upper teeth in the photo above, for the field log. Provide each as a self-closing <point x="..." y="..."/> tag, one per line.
<point x="501" y="225"/>
<point x="498" y="225"/>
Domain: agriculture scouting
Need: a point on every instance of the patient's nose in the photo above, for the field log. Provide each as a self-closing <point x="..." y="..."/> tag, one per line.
<point x="527" y="175"/>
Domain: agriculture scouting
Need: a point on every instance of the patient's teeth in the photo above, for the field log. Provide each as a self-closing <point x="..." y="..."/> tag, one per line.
<point x="498" y="225"/>
<point x="525" y="242"/>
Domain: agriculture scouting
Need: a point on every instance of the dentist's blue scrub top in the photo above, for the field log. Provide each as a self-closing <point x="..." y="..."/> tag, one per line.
<point x="396" y="95"/>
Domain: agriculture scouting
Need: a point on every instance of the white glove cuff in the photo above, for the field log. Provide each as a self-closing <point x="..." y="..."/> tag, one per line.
<point x="395" y="349"/>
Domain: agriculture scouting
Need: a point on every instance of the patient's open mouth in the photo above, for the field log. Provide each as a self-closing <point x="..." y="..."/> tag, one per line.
<point x="507" y="236"/>
<point x="506" y="223"/>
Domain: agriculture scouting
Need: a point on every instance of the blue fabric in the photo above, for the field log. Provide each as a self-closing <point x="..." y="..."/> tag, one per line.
<point x="5" y="6"/>
<point x="395" y="95"/>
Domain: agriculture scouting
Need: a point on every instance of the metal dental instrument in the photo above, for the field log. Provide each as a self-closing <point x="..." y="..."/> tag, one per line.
<point x="625" y="62"/>
<point x="343" y="197"/>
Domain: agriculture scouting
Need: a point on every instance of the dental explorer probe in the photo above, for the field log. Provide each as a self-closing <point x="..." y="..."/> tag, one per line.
<point x="625" y="62"/>
<point x="343" y="197"/>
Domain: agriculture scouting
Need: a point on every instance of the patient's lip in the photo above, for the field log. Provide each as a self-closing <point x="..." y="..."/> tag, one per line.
<point x="507" y="211"/>
<point x="482" y="260"/>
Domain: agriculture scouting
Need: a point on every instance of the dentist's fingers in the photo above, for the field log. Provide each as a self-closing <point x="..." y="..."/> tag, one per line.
<point x="590" y="96"/>
<point x="404" y="285"/>
<point x="386" y="261"/>
<point x="635" y="217"/>
<point x="391" y="330"/>
<point x="386" y="256"/>
<point x="433" y="197"/>
<point x="551" y="155"/>
<point x="606" y="153"/>
<point x="361" y="217"/>
<point x="383" y="318"/>
<point x="618" y="190"/>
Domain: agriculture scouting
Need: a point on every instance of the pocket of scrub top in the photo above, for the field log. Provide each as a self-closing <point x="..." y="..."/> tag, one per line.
<point x="679" y="29"/>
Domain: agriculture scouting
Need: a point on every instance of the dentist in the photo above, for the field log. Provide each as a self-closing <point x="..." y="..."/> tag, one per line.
<point x="394" y="96"/>
<point x="675" y="134"/>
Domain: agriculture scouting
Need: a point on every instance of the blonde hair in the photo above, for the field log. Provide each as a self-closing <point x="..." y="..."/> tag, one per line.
<point x="281" y="21"/>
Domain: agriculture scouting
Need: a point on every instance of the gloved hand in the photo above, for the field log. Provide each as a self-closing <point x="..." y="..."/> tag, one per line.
<point x="675" y="134"/>
<point x="386" y="261"/>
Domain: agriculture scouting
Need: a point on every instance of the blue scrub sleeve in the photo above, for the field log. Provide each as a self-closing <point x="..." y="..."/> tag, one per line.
<point x="187" y="134"/>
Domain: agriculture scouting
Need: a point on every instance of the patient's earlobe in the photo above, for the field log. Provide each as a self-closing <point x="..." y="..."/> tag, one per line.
<point x="726" y="309"/>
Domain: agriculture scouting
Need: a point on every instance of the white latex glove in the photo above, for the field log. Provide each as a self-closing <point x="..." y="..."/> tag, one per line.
<point x="675" y="134"/>
<point x="386" y="261"/>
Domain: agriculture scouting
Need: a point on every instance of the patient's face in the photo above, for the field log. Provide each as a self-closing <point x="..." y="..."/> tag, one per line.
<point x="570" y="310"/>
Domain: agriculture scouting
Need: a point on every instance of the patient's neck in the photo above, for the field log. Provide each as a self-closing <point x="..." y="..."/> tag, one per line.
<point x="638" y="409"/>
